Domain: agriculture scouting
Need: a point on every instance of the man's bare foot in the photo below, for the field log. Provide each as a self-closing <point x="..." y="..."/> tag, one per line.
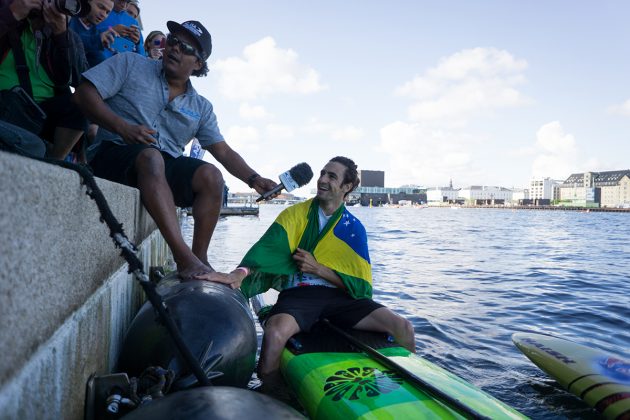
<point x="206" y="263"/>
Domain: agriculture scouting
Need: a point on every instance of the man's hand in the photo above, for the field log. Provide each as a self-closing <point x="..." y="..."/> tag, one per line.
<point x="107" y="37"/>
<point x="135" y="34"/>
<point x="233" y="279"/>
<point x="128" y="32"/>
<point x="306" y="263"/>
<point x="262" y="185"/>
<point x="137" y="134"/>
<point x="58" y="21"/>
<point x="21" y="8"/>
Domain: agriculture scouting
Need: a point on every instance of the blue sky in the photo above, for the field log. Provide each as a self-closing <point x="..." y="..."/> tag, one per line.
<point x="481" y="92"/>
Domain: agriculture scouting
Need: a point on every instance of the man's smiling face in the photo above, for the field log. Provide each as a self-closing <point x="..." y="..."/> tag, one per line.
<point x="330" y="186"/>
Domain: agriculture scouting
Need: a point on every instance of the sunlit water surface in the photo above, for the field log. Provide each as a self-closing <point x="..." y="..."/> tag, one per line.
<point x="469" y="278"/>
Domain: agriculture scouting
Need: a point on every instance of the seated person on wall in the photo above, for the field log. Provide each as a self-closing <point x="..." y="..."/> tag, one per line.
<point x="54" y="61"/>
<point x="316" y="254"/>
<point x="147" y="111"/>
<point x="94" y="42"/>
<point x="127" y="29"/>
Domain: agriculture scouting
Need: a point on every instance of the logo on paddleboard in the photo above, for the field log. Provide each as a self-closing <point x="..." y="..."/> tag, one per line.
<point x="356" y="382"/>
<point x="615" y="368"/>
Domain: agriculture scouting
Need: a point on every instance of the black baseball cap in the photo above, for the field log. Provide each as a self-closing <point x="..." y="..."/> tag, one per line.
<point x="198" y="31"/>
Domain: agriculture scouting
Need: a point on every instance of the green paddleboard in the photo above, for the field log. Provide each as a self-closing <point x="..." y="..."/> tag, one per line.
<point x="333" y="380"/>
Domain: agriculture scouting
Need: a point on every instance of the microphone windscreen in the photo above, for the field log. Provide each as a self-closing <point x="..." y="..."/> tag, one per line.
<point x="301" y="173"/>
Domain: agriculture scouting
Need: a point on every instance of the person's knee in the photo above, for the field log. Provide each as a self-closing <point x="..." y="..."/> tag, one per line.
<point x="280" y="328"/>
<point x="208" y="178"/>
<point x="149" y="162"/>
<point x="277" y="334"/>
<point x="407" y="328"/>
<point x="405" y="333"/>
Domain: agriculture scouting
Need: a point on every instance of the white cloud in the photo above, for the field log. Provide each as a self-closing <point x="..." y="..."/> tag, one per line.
<point x="253" y="112"/>
<point x="264" y="69"/>
<point x="467" y="83"/>
<point x="279" y="132"/>
<point x="243" y="138"/>
<point x="348" y="133"/>
<point x="419" y="155"/>
<point x="622" y="109"/>
<point x="558" y="153"/>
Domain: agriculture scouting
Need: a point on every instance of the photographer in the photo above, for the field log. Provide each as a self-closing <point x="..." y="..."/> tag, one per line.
<point x="35" y="33"/>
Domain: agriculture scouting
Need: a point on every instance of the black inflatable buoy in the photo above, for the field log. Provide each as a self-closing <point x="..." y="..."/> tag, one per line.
<point x="216" y="324"/>
<point x="214" y="403"/>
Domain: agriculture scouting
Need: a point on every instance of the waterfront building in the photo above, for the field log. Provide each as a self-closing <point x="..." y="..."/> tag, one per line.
<point x="520" y="196"/>
<point x="372" y="178"/>
<point x="372" y="191"/>
<point x="592" y="189"/>
<point x="378" y="196"/>
<point x="436" y="195"/>
<point x="484" y="194"/>
<point x="544" y="189"/>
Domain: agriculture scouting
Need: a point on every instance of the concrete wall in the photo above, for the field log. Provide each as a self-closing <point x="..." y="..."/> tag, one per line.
<point x="65" y="296"/>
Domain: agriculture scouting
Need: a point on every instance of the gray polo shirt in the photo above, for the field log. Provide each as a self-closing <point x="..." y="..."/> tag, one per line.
<point x="136" y="89"/>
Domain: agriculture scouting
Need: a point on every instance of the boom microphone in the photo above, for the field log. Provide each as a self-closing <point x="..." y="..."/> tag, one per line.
<point x="295" y="177"/>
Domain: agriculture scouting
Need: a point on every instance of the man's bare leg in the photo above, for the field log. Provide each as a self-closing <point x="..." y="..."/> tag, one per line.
<point x="386" y="321"/>
<point x="158" y="200"/>
<point x="278" y="329"/>
<point x="207" y="184"/>
<point x="64" y="141"/>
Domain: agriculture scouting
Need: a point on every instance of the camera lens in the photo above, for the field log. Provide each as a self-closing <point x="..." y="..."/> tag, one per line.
<point x="68" y="7"/>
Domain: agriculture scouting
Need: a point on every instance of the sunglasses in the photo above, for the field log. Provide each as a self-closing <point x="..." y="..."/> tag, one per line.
<point x="186" y="48"/>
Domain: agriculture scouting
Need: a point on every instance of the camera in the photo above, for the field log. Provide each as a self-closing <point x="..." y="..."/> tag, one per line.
<point x="72" y="7"/>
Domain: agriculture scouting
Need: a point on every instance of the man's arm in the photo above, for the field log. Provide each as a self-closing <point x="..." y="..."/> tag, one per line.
<point x="12" y="12"/>
<point x="94" y="107"/>
<point x="237" y="166"/>
<point x="307" y="263"/>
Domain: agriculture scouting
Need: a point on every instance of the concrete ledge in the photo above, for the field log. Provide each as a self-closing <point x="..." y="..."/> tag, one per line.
<point x="65" y="297"/>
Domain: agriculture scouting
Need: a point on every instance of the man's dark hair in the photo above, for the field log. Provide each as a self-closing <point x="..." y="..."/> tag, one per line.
<point x="203" y="71"/>
<point x="351" y="175"/>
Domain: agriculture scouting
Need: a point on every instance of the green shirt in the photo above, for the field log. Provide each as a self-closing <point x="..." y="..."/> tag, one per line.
<point x="43" y="87"/>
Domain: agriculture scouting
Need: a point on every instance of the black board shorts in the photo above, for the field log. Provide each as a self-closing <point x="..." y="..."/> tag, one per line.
<point x="309" y="304"/>
<point x="116" y="163"/>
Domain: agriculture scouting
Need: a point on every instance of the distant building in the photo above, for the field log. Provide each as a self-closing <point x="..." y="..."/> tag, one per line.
<point x="606" y="189"/>
<point x="372" y="178"/>
<point x="519" y="196"/>
<point x="377" y="196"/>
<point x="442" y="195"/>
<point x="480" y="195"/>
<point x="544" y="189"/>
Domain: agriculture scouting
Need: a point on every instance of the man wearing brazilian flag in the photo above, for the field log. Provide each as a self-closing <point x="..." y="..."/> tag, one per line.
<point x="316" y="254"/>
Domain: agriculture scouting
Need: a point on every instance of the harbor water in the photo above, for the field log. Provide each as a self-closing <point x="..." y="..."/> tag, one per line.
<point x="469" y="278"/>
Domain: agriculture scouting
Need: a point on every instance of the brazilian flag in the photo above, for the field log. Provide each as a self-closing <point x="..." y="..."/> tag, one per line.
<point x="340" y="246"/>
